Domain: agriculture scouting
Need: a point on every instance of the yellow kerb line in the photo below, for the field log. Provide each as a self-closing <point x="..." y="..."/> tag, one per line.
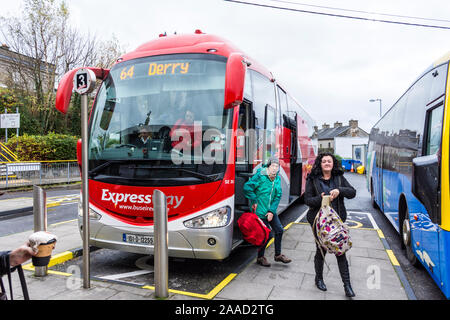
<point x="394" y="260"/>
<point x="56" y="259"/>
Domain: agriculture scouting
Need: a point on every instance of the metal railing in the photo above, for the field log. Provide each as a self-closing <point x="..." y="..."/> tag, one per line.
<point x="28" y="173"/>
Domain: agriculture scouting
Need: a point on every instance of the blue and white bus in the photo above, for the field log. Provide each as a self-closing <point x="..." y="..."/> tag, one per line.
<point x="408" y="170"/>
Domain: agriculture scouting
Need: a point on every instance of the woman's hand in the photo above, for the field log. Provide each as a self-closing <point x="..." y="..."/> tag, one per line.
<point x="21" y="254"/>
<point x="334" y="194"/>
<point x="254" y="207"/>
<point x="269" y="216"/>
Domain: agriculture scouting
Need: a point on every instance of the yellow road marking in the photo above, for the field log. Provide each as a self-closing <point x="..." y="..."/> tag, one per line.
<point x="207" y="296"/>
<point x="56" y="259"/>
<point x="221" y="285"/>
<point x="394" y="260"/>
<point x="63" y="222"/>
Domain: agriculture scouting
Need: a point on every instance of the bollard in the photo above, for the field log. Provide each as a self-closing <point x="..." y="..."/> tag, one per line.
<point x="161" y="244"/>
<point x="40" y="220"/>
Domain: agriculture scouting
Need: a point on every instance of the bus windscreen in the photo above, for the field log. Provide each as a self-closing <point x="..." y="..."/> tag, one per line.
<point x="168" y="109"/>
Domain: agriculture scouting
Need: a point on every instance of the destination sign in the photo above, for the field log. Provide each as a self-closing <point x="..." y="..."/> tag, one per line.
<point x="157" y="69"/>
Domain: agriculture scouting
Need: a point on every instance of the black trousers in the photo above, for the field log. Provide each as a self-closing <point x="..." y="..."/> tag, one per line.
<point x="341" y="261"/>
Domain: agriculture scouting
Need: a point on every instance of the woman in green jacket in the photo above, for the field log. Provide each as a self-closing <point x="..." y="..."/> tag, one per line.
<point x="264" y="192"/>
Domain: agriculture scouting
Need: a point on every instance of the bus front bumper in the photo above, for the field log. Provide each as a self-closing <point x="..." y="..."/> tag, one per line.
<point x="214" y="243"/>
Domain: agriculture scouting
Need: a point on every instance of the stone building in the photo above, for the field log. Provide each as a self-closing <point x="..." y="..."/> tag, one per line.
<point x="18" y="70"/>
<point x="349" y="141"/>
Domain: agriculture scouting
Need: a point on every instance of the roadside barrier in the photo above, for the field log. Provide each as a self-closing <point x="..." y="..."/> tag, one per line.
<point x="29" y="173"/>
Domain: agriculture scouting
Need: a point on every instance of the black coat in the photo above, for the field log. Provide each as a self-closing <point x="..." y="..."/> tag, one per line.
<point x="313" y="198"/>
<point x="4" y="262"/>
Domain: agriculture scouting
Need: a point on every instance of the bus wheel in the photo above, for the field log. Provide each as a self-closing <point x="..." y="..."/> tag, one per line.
<point x="407" y="241"/>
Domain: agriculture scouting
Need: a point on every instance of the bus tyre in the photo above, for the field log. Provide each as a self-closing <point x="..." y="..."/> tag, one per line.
<point x="407" y="241"/>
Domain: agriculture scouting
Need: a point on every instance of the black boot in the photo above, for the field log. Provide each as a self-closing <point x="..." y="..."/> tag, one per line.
<point x="345" y="275"/>
<point x="318" y="267"/>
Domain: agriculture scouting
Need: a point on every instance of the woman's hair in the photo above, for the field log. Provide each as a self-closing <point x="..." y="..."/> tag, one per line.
<point x="316" y="170"/>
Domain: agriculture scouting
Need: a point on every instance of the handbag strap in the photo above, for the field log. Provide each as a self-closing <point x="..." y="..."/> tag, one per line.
<point x="6" y="263"/>
<point x="23" y="282"/>
<point x="319" y="246"/>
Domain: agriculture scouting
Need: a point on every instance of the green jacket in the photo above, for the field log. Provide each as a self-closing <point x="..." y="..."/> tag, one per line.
<point x="264" y="192"/>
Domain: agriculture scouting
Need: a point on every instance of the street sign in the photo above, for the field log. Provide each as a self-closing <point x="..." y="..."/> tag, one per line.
<point x="10" y="120"/>
<point x="84" y="81"/>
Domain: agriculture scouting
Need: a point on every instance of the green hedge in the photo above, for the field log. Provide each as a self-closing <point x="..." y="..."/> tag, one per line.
<point x="41" y="148"/>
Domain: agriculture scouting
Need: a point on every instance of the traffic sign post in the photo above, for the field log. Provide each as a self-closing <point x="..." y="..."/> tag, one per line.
<point x="9" y="120"/>
<point x="84" y="83"/>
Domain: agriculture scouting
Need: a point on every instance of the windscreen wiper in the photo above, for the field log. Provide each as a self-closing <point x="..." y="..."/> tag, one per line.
<point x="204" y="177"/>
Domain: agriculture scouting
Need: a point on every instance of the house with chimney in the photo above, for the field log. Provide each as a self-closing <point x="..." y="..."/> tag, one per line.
<point x="349" y="142"/>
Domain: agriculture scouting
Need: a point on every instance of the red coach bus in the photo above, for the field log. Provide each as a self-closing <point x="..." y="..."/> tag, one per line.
<point x="192" y="116"/>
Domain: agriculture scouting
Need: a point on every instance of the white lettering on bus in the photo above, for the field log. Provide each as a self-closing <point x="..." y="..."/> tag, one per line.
<point x="137" y="198"/>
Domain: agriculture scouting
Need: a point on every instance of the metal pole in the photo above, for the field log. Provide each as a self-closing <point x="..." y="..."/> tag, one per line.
<point x="6" y="129"/>
<point x="40" y="220"/>
<point x="85" y="191"/>
<point x="380" y="108"/>
<point x="161" y="244"/>
<point x="17" y="130"/>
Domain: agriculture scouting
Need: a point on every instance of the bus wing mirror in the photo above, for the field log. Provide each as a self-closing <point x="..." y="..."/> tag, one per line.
<point x="425" y="184"/>
<point x="65" y="87"/>
<point x="79" y="148"/>
<point x="234" y="80"/>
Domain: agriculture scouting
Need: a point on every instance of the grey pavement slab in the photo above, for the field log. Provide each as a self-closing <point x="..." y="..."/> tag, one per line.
<point x="293" y="281"/>
<point x="67" y="233"/>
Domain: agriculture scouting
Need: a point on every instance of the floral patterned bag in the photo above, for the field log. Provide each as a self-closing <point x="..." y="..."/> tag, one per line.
<point x="330" y="232"/>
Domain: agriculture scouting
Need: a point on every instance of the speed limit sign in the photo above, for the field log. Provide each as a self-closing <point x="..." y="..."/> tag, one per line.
<point x="84" y="81"/>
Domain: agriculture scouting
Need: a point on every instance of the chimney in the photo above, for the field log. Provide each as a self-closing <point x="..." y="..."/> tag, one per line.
<point x="337" y="124"/>
<point x="353" y="124"/>
<point x="316" y="129"/>
<point x="325" y="126"/>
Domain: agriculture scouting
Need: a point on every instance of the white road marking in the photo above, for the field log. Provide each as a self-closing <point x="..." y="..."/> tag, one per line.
<point x="301" y="216"/>
<point x="126" y="275"/>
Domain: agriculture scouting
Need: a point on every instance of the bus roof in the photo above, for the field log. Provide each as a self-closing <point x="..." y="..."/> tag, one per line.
<point x="197" y="42"/>
<point x="444" y="59"/>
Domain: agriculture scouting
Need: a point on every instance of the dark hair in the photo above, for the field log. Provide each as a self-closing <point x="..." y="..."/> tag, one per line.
<point x="316" y="170"/>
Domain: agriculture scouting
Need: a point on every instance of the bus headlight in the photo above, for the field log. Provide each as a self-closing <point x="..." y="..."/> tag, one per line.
<point x="92" y="213"/>
<point x="214" y="219"/>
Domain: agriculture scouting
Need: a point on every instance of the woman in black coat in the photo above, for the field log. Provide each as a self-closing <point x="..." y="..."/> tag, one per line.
<point x="326" y="178"/>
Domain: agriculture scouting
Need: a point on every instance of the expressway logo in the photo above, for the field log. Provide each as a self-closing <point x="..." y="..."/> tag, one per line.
<point x="117" y="197"/>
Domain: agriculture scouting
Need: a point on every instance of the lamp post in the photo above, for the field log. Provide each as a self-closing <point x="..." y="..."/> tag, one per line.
<point x="374" y="100"/>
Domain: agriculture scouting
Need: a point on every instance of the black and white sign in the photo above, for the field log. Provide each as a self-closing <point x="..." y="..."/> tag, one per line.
<point x="10" y="120"/>
<point x="84" y="81"/>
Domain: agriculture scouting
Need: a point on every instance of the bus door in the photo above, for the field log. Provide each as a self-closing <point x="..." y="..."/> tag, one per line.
<point x="378" y="175"/>
<point x="244" y="152"/>
<point x="427" y="188"/>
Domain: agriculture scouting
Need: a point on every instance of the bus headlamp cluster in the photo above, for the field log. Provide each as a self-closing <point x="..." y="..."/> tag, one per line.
<point x="214" y="219"/>
<point x="92" y="213"/>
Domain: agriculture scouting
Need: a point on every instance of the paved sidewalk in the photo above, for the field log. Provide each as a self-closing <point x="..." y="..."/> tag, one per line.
<point x="295" y="281"/>
<point x="371" y="268"/>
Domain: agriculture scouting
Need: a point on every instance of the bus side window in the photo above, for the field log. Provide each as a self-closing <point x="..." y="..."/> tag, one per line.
<point x="434" y="129"/>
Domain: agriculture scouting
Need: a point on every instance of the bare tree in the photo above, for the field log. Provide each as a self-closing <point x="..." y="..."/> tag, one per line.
<point x="44" y="47"/>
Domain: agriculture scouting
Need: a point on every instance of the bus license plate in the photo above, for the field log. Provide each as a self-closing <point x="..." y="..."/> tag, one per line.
<point x="138" y="239"/>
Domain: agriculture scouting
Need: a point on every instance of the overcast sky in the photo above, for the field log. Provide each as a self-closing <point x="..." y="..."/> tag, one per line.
<point x="331" y="65"/>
